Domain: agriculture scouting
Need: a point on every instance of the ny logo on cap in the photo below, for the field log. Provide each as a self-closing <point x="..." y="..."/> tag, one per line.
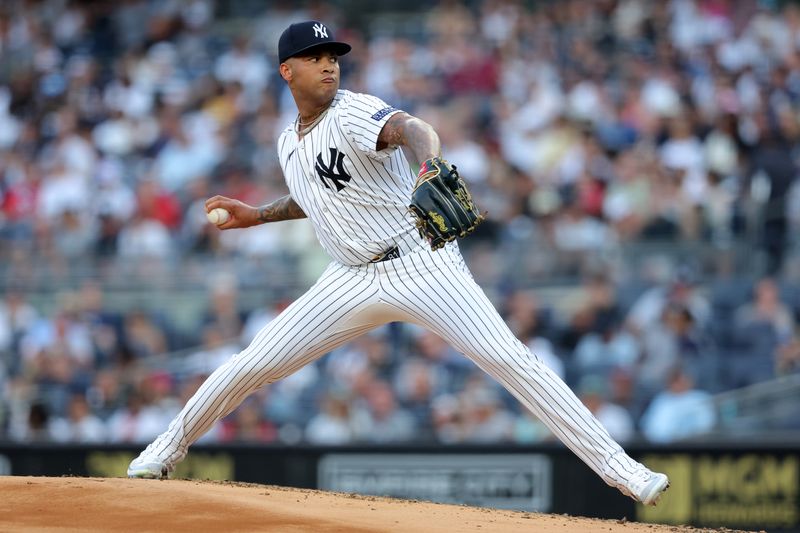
<point x="320" y="31"/>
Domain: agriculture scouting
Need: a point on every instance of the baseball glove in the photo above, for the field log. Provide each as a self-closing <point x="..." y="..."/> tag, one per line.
<point x="441" y="204"/>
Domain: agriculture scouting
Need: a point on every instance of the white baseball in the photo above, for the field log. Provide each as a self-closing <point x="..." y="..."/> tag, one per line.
<point x="218" y="216"/>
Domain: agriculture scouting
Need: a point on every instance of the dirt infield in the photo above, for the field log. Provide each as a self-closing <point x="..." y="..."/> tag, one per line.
<point x="111" y="504"/>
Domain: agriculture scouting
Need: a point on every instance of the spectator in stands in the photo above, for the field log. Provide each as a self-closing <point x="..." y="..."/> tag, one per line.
<point x="62" y="190"/>
<point x="682" y="289"/>
<point x="156" y="203"/>
<point x="17" y="316"/>
<point x="624" y="390"/>
<point x="136" y="422"/>
<point x="103" y="324"/>
<point x="80" y="425"/>
<point x="380" y="419"/>
<point x="679" y="412"/>
<point x="366" y="354"/>
<point x="73" y="236"/>
<point x="676" y="340"/>
<point x="628" y="199"/>
<point x="37" y="426"/>
<point x="21" y="179"/>
<point x="104" y="394"/>
<point x="450" y="366"/>
<point x="184" y="159"/>
<point x="224" y="312"/>
<point x="486" y="420"/>
<point x="144" y="239"/>
<point x="64" y="334"/>
<point x="607" y="348"/>
<point x="525" y="314"/>
<point x="721" y="154"/>
<point x="788" y="361"/>
<point x="293" y="400"/>
<point x="244" y="65"/>
<point x="682" y="153"/>
<point x="593" y="392"/>
<point x="447" y="419"/>
<point x="142" y="336"/>
<point x="761" y="327"/>
<point x="417" y="382"/>
<point x="767" y="307"/>
<point x="578" y="236"/>
<point x="156" y="389"/>
<point x="56" y="375"/>
<point x="247" y="424"/>
<point x="115" y="206"/>
<point x="772" y="170"/>
<point x="333" y="423"/>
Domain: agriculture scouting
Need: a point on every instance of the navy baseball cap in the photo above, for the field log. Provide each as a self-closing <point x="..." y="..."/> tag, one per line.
<point x="303" y="36"/>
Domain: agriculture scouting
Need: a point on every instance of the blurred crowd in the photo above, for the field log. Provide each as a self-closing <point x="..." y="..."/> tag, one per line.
<point x="583" y="127"/>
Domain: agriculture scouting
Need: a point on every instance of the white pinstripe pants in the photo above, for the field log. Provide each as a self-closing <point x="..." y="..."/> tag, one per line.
<point x="432" y="289"/>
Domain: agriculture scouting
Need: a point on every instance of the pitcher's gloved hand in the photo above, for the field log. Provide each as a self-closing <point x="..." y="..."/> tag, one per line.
<point x="442" y="205"/>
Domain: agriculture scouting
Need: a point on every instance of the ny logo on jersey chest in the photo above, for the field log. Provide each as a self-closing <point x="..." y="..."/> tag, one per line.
<point x="333" y="171"/>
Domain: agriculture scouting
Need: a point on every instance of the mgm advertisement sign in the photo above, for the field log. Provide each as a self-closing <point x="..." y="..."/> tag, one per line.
<point x="747" y="490"/>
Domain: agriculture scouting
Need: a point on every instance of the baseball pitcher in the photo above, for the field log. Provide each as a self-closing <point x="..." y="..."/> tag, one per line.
<point x="391" y="236"/>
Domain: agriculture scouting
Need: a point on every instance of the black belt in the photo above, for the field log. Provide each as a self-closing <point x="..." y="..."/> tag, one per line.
<point x="388" y="255"/>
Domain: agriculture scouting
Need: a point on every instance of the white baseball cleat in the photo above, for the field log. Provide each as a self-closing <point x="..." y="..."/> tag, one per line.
<point x="148" y="469"/>
<point x="647" y="487"/>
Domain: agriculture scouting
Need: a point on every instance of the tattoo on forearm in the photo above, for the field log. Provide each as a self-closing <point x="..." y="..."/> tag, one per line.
<point x="284" y="208"/>
<point x="417" y="135"/>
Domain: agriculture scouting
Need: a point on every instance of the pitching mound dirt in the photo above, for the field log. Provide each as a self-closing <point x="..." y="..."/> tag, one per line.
<point x="93" y="504"/>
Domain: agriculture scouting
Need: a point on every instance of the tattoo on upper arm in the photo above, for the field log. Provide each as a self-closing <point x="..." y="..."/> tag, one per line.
<point x="403" y="129"/>
<point x="284" y="208"/>
<point x="393" y="132"/>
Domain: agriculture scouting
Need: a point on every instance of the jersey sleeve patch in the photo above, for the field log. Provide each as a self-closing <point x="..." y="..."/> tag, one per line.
<point x="382" y="113"/>
<point x="363" y="117"/>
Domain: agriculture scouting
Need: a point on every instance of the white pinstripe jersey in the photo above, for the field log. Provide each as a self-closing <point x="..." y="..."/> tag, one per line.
<point x="356" y="197"/>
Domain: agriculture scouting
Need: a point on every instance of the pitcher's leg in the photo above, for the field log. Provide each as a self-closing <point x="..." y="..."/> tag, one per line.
<point x="447" y="301"/>
<point x="329" y="314"/>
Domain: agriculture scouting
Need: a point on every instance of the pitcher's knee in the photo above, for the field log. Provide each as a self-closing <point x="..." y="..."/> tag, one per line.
<point x="506" y="355"/>
<point x="243" y="369"/>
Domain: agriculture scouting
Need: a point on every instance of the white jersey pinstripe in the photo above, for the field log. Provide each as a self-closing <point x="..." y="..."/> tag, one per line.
<point x="355" y="221"/>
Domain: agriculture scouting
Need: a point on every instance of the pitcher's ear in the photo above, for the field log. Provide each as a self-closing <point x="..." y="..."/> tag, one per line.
<point x="286" y="71"/>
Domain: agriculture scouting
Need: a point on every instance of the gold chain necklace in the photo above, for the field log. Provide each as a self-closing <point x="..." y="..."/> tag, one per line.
<point x="301" y="128"/>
